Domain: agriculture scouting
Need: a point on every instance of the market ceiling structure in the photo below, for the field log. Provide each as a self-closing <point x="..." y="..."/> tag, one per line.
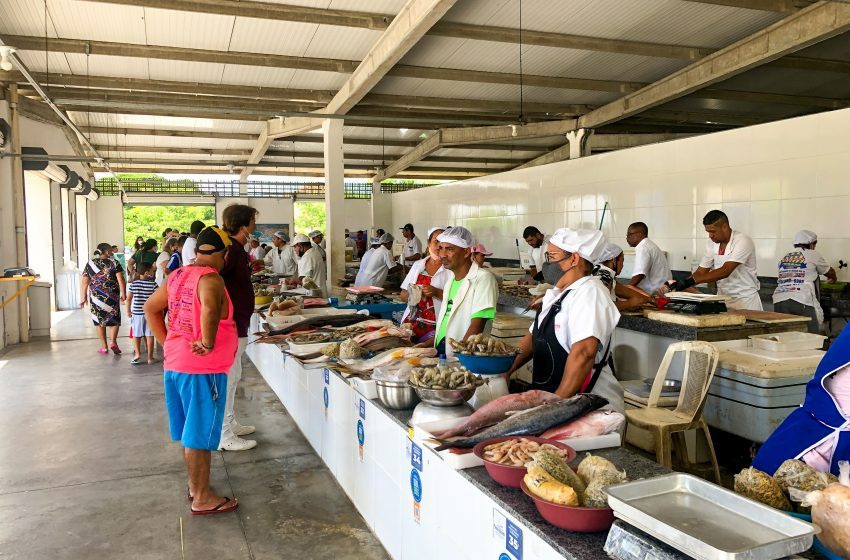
<point x="429" y="89"/>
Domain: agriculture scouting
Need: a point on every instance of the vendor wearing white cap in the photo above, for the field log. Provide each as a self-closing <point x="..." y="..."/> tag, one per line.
<point x="310" y="264"/>
<point x="431" y="277"/>
<point x="379" y="265"/>
<point x="729" y="260"/>
<point x="570" y="338"/>
<point x="469" y="299"/>
<point x="317" y="240"/>
<point x="282" y="259"/>
<point x="798" y="283"/>
<point x="610" y="266"/>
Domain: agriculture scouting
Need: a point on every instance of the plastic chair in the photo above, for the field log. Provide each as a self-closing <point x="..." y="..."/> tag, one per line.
<point x="700" y="364"/>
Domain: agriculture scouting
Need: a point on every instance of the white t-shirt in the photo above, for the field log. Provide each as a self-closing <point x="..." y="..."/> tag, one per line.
<point x="439" y="281"/>
<point x="743" y="284"/>
<point x="478" y="291"/>
<point x="349" y="242"/>
<point x="258" y="253"/>
<point x="587" y="311"/>
<point x="283" y="260"/>
<point x="375" y="271"/>
<point x="411" y="247"/>
<point x="798" y="272"/>
<point x="538" y="254"/>
<point x="188" y="253"/>
<point x="319" y="248"/>
<point x="651" y="262"/>
<point x="311" y="265"/>
<point x="361" y="272"/>
<point x="163" y="257"/>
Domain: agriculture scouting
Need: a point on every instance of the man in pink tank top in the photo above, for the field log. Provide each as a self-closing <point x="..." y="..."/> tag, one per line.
<point x="199" y="347"/>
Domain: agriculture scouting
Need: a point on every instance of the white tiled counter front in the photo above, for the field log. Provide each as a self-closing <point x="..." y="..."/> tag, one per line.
<point x="457" y="514"/>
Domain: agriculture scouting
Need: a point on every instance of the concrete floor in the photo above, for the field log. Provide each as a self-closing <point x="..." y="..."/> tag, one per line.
<point x="87" y="469"/>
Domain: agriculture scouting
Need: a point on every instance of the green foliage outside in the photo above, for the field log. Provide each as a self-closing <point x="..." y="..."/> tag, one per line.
<point x="309" y="216"/>
<point x="151" y="221"/>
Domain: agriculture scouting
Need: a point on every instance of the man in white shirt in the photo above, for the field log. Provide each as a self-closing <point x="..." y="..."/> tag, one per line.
<point x="729" y="260"/>
<point x="469" y="297"/>
<point x="281" y="259"/>
<point x="380" y="264"/>
<point x="412" y="248"/>
<point x="360" y="280"/>
<point x="537" y="241"/>
<point x="317" y="240"/>
<point x="188" y="252"/>
<point x="797" y="290"/>
<point x="310" y="265"/>
<point x="349" y="241"/>
<point x="570" y="338"/>
<point x="651" y="269"/>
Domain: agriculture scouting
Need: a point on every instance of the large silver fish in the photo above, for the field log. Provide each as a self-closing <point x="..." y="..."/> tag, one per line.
<point x="534" y="421"/>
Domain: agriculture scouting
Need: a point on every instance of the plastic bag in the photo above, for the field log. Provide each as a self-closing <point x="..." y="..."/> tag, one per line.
<point x="831" y="511"/>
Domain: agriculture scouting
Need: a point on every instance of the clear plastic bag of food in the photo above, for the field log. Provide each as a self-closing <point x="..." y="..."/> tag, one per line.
<point x="399" y="373"/>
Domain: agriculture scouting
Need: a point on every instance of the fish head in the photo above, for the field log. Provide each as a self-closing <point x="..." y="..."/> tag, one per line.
<point x="595" y="401"/>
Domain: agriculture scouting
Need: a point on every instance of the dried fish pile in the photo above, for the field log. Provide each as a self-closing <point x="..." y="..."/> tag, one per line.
<point x="515" y="290"/>
<point x="314" y="337"/>
<point x="453" y="377"/>
<point x="517" y="451"/>
<point x="483" y="345"/>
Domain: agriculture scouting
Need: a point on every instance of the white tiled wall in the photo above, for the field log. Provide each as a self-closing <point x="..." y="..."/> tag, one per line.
<point x="771" y="180"/>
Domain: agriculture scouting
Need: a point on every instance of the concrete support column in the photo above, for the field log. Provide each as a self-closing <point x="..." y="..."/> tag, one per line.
<point x="334" y="199"/>
<point x="19" y="209"/>
<point x="382" y="207"/>
<point x="579" y="142"/>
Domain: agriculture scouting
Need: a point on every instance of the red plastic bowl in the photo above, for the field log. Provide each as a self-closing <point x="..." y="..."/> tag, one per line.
<point x="572" y="518"/>
<point x="509" y="475"/>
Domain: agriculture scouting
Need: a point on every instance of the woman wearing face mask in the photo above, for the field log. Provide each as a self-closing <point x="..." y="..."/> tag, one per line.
<point x="430" y="274"/>
<point x="571" y="336"/>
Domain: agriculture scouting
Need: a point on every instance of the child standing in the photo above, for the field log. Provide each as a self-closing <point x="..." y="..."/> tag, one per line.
<point x="138" y="293"/>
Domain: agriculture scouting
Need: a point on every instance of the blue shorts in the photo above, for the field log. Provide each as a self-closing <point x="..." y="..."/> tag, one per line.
<point x="195" y="404"/>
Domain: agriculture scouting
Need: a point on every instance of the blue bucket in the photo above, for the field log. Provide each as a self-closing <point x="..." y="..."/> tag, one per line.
<point x="486" y="365"/>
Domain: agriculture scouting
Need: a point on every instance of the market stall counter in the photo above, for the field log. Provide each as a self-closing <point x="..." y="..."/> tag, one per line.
<point x="416" y="504"/>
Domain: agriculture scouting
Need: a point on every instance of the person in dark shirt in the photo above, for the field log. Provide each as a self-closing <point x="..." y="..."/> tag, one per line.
<point x="239" y="222"/>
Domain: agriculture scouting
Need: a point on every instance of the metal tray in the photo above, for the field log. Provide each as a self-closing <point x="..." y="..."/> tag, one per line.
<point x="708" y="522"/>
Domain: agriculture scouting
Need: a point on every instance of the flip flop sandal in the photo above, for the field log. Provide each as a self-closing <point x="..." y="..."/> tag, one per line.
<point x="217" y="509"/>
<point x="136" y="361"/>
<point x="115" y="349"/>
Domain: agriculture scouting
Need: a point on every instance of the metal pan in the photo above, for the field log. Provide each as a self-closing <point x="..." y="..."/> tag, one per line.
<point x="708" y="522"/>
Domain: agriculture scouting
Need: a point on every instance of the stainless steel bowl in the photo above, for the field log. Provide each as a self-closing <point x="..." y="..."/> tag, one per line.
<point x="445" y="397"/>
<point x="397" y="395"/>
<point x="670" y="385"/>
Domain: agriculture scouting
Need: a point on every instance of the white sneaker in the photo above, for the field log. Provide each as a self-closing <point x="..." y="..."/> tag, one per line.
<point x="237" y="444"/>
<point x="241" y="430"/>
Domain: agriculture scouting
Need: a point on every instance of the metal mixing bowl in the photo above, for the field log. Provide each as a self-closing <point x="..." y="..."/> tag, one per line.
<point x="445" y="397"/>
<point x="669" y="386"/>
<point x="397" y="395"/>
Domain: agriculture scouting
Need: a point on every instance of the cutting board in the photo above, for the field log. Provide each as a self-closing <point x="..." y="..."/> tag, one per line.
<point x="716" y="320"/>
<point x="770" y="316"/>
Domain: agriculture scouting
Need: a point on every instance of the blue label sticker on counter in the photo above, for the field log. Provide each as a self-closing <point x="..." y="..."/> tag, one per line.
<point x="327" y="376"/>
<point x="415" y="456"/>
<point x="362" y="409"/>
<point x="325" y="396"/>
<point x="416" y="485"/>
<point x="361" y="433"/>
<point x="513" y="540"/>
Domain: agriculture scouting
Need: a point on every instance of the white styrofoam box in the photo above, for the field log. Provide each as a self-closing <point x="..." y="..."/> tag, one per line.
<point x="366" y="387"/>
<point x="787" y="341"/>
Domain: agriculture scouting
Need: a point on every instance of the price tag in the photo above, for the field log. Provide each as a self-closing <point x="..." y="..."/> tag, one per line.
<point x="361" y="438"/>
<point x="415" y="456"/>
<point x="513" y="539"/>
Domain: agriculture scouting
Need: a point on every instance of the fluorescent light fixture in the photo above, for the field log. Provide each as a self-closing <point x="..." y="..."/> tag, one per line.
<point x="6" y="53"/>
<point x="403" y="131"/>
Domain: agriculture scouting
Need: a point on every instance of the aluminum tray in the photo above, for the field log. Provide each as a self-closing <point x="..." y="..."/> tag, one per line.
<point x="708" y="522"/>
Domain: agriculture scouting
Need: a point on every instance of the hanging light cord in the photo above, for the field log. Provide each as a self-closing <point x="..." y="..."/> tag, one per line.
<point x="520" y="63"/>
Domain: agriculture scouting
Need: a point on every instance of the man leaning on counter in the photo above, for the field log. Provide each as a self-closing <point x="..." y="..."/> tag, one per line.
<point x="729" y="260"/>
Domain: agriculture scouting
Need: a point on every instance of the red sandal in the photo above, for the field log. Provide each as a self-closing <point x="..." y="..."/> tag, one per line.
<point x="217" y="509"/>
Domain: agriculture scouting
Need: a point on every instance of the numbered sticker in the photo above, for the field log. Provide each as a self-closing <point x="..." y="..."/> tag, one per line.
<point x="513" y="539"/>
<point x="327" y="376"/>
<point x="415" y="456"/>
<point x="362" y="409"/>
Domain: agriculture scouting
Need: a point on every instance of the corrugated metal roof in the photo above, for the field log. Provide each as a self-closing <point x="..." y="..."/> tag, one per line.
<point x="188" y="29"/>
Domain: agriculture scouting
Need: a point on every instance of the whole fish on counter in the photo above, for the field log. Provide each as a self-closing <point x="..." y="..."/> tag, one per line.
<point x="497" y="410"/>
<point x="322" y="321"/>
<point x="532" y="421"/>
<point x="388" y="357"/>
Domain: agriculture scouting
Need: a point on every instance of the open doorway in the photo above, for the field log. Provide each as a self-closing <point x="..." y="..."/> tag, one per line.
<point x="309" y="216"/>
<point x="39" y="225"/>
<point x="149" y="222"/>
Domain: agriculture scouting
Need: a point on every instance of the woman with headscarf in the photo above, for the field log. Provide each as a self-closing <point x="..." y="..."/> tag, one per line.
<point x="817" y="433"/>
<point x="430" y="278"/>
<point x="104" y="289"/>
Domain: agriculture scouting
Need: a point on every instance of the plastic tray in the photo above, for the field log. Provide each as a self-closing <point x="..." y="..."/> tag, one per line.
<point x="788" y="341"/>
<point x="708" y="522"/>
